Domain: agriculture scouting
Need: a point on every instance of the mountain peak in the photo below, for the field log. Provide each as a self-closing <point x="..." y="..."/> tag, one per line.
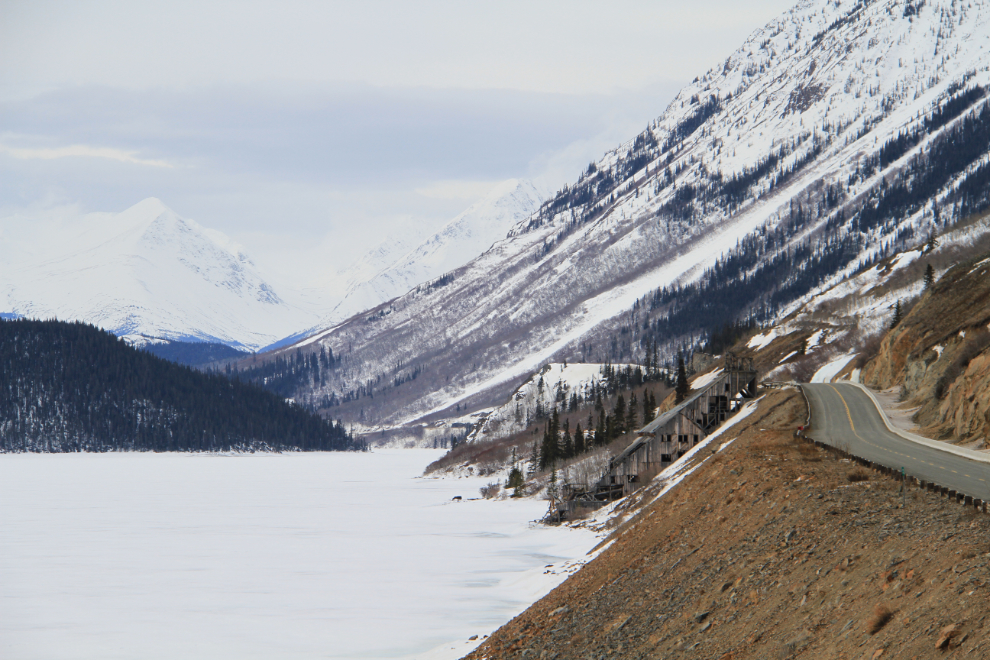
<point x="148" y="271"/>
<point x="150" y="208"/>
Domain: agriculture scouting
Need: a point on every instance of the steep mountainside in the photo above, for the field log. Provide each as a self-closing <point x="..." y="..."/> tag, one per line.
<point x="838" y="134"/>
<point x="142" y="273"/>
<point x="73" y="387"/>
<point x="466" y="236"/>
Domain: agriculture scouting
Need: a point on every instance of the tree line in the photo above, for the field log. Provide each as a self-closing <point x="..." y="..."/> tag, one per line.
<point x="67" y="387"/>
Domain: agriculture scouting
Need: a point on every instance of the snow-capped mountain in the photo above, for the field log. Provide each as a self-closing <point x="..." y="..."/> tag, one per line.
<point x="838" y="132"/>
<point x="456" y="243"/>
<point x="146" y="274"/>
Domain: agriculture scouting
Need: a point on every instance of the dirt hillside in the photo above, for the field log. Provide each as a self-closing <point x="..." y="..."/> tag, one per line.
<point x="773" y="549"/>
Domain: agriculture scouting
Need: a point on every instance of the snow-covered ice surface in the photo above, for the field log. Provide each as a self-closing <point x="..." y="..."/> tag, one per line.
<point x="265" y="556"/>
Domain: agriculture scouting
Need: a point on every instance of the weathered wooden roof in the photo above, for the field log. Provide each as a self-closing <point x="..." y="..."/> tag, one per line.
<point x="647" y="432"/>
<point x="665" y="418"/>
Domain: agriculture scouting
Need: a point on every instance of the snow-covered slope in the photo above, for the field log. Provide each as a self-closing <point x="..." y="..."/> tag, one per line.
<point x="551" y="386"/>
<point x="143" y="273"/>
<point x="463" y="238"/>
<point x="839" y="132"/>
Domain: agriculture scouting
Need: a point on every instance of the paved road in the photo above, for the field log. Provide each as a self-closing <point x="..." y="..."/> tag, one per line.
<point x="844" y="416"/>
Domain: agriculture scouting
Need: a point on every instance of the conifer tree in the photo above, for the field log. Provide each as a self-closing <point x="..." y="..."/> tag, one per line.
<point x="566" y="444"/>
<point x="929" y="277"/>
<point x="897" y="315"/>
<point x="516" y="481"/>
<point x="631" y="413"/>
<point x="546" y="453"/>
<point x="600" y="438"/>
<point x="682" y="389"/>
<point x="619" y="416"/>
<point x="579" y="447"/>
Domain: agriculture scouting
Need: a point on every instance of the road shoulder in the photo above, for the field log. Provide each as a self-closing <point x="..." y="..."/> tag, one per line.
<point x="962" y="452"/>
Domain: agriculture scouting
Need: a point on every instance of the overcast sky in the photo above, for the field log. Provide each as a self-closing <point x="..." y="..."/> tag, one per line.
<point x="306" y="130"/>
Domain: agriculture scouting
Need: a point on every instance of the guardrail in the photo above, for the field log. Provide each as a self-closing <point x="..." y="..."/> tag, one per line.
<point x="961" y="498"/>
<point x="922" y="484"/>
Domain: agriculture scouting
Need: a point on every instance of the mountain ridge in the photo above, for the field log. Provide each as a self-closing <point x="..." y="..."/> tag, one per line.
<point x="816" y="148"/>
<point x="465" y="236"/>
<point x="147" y="272"/>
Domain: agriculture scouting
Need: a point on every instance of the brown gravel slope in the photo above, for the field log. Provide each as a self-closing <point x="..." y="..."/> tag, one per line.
<point x="773" y="549"/>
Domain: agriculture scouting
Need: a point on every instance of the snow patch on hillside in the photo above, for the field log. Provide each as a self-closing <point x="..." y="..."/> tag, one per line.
<point x="551" y="386"/>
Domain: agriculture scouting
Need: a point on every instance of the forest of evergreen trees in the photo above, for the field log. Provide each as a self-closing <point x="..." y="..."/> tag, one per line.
<point x="194" y="353"/>
<point x="764" y="273"/>
<point x="68" y="387"/>
<point x="286" y="375"/>
<point x="607" y="421"/>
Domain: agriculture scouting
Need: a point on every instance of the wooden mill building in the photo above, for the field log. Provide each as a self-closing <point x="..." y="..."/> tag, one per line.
<point x="675" y="432"/>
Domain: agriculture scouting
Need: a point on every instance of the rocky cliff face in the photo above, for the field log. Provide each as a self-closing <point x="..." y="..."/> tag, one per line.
<point x="938" y="356"/>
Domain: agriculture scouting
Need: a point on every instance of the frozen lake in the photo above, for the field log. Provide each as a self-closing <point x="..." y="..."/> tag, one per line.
<point x="265" y="556"/>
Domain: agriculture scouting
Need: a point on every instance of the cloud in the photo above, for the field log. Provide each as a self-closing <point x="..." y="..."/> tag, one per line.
<point x="80" y="150"/>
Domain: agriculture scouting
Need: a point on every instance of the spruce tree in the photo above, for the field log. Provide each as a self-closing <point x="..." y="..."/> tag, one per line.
<point x="619" y="416"/>
<point x="566" y="443"/>
<point x="546" y="449"/>
<point x="631" y="413"/>
<point x="897" y="315"/>
<point x="682" y="389"/>
<point x="579" y="447"/>
<point x="929" y="277"/>
<point x="516" y="481"/>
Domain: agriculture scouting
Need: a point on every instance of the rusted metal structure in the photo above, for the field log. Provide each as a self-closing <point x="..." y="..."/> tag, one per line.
<point x="674" y="433"/>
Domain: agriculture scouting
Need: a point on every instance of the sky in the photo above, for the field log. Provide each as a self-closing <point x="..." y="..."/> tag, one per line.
<point x="308" y="131"/>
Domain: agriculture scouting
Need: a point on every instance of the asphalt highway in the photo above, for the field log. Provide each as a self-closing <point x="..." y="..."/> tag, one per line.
<point x="845" y="416"/>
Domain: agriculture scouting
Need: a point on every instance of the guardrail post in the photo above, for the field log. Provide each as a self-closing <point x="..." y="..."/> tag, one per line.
<point x="969" y="500"/>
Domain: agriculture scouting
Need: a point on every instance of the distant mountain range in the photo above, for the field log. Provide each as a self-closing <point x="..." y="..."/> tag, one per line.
<point x="835" y="136"/>
<point x="178" y="289"/>
<point x="145" y="274"/>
